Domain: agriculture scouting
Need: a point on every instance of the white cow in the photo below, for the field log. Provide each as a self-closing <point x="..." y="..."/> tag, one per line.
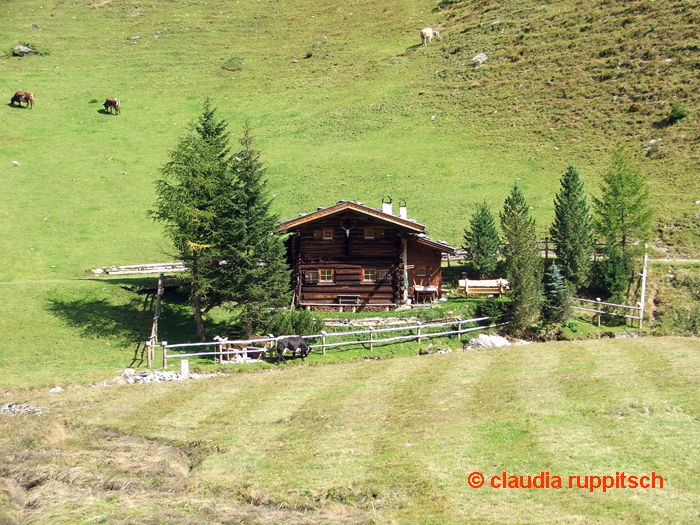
<point x="427" y="34"/>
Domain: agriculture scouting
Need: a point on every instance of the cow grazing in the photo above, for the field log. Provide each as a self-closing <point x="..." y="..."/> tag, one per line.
<point x="112" y="103"/>
<point x="427" y="34"/>
<point x="23" y="96"/>
<point x="292" y="344"/>
<point x="230" y="351"/>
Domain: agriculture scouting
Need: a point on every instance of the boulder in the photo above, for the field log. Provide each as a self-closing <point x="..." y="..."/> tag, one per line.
<point x="488" y="341"/>
<point x="22" y="51"/>
<point x="480" y="58"/>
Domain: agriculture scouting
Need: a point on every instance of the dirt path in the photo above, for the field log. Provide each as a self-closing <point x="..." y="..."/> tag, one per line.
<point x="692" y="261"/>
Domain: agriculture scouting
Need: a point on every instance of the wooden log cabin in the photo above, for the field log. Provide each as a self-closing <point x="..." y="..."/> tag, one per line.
<point x="352" y="257"/>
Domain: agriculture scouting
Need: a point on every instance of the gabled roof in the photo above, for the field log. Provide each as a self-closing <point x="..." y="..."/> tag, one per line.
<point x="438" y="245"/>
<point x="343" y="206"/>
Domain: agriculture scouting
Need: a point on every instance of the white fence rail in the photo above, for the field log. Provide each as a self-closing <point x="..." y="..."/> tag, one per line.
<point x="225" y="348"/>
<point x="600" y="304"/>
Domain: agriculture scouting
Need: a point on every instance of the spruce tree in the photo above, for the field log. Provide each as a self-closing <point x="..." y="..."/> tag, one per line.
<point x="255" y="275"/>
<point x="194" y="177"/>
<point x="481" y="241"/>
<point x="572" y="230"/>
<point x="557" y="299"/>
<point x="623" y="216"/>
<point x="523" y="261"/>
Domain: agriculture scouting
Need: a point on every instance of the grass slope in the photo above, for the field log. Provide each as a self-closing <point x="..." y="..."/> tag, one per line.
<point x="388" y="441"/>
<point x="368" y="113"/>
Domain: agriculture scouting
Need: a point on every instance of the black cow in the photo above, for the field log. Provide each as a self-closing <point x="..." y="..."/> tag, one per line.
<point x="292" y="344"/>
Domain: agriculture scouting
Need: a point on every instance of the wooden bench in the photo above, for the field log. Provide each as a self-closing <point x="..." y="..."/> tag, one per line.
<point x="485" y="287"/>
<point x="348" y="299"/>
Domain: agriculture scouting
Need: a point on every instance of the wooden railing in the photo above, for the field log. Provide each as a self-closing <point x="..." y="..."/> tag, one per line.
<point x="419" y="328"/>
<point x="639" y="317"/>
<point x="151" y="343"/>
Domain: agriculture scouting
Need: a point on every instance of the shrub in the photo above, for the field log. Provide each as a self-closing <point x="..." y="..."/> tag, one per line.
<point x="678" y="112"/>
<point x="491" y="307"/>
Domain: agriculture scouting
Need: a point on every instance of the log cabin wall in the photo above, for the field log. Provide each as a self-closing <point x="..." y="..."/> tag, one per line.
<point x="347" y="259"/>
<point x="424" y="267"/>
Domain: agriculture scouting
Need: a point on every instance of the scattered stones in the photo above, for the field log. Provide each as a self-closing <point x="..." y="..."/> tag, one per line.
<point x="17" y="409"/>
<point x="56" y="389"/>
<point x="131" y="377"/>
<point x="15" y="163"/>
<point x="654" y="142"/>
<point x="480" y="58"/>
<point x="22" y="51"/>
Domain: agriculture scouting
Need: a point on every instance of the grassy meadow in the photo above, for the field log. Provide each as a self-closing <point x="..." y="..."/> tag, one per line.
<point x="345" y="104"/>
<point x="389" y="441"/>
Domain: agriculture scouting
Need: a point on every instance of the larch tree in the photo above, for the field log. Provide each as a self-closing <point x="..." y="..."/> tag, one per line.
<point x="572" y="230"/>
<point x="194" y="177"/>
<point x="523" y="261"/>
<point x="623" y="216"/>
<point x="481" y="241"/>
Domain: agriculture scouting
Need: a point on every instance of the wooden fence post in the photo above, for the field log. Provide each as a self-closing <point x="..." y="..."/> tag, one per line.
<point x="165" y="357"/>
<point x="419" y="328"/>
<point x="221" y="355"/>
<point x="599" y="307"/>
<point x="371" y="338"/>
<point x="459" y="327"/>
<point x="323" y="341"/>
<point x="644" y="291"/>
<point x="148" y="353"/>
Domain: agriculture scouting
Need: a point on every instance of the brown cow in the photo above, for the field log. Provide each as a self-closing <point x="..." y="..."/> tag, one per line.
<point x="233" y="350"/>
<point x="112" y="103"/>
<point x="23" y="96"/>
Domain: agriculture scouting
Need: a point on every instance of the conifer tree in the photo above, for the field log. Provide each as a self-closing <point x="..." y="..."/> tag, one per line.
<point x="572" y="230"/>
<point x="195" y="175"/>
<point x="623" y="216"/>
<point x="255" y="275"/>
<point x="523" y="261"/>
<point x="557" y="299"/>
<point x="481" y="241"/>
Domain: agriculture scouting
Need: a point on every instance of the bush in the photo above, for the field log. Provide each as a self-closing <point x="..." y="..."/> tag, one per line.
<point x="491" y="307"/>
<point x="296" y="322"/>
<point x="678" y="112"/>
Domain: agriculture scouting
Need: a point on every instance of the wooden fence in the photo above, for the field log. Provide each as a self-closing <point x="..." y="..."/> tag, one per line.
<point x="151" y="343"/>
<point x="371" y="339"/>
<point x="600" y="304"/>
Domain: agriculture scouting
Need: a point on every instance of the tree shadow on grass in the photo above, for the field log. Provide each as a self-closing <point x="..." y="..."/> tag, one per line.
<point x="661" y="124"/>
<point x="129" y="320"/>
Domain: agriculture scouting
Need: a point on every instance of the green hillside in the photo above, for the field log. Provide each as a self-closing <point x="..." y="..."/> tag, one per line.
<point x="344" y="104"/>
